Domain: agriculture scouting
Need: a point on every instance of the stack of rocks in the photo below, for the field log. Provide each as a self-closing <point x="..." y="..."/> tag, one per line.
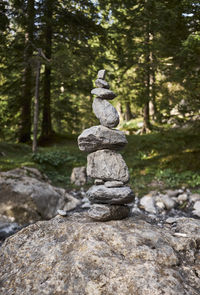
<point x="110" y="193"/>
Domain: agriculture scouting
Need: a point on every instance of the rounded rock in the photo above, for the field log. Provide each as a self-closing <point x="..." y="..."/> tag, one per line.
<point x="105" y="112"/>
<point x="114" y="195"/>
<point x="100" y="83"/>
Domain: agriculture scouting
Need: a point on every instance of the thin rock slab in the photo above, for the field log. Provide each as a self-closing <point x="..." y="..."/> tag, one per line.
<point x="100" y="83"/>
<point x="114" y="183"/>
<point x="113" y="195"/>
<point x="105" y="112"/>
<point x="98" y="181"/>
<point x="101" y="212"/>
<point x="101" y="137"/>
<point x="103" y="93"/>
<point x="107" y="165"/>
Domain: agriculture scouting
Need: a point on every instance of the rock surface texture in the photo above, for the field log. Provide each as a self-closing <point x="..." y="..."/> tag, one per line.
<point x="105" y="112"/>
<point x="72" y="255"/>
<point x="104" y="164"/>
<point x="107" y="165"/>
<point x="100" y="137"/>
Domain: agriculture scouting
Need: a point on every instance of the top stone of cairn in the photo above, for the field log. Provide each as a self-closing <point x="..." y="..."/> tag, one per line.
<point x="101" y="74"/>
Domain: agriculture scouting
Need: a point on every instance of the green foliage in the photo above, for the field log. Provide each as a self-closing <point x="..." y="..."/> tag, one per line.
<point x="174" y="179"/>
<point x="55" y="158"/>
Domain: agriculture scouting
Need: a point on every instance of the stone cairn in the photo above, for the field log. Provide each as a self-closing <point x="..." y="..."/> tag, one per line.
<point x="110" y="193"/>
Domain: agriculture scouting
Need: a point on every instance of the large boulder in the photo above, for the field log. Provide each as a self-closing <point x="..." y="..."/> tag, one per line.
<point x="100" y="137"/>
<point x="73" y="255"/>
<point x="27" y="196"/>
<point x="107" y="165"/>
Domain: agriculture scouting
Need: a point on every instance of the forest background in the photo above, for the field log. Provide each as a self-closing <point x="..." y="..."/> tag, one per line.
<point x="151" y="50"/>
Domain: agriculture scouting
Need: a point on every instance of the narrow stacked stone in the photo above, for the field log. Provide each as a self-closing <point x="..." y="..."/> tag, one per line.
<point x="110" y="193"/>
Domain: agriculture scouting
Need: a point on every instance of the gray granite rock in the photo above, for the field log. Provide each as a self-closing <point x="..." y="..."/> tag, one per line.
<point x="113" y="183"/>
<point x="103" y="93"/>
<point x="147" y="203"/>
<point x="168" y="202"/>
<point x="76" y="256"/>
<point x="114" y="195"/>
<point x="78" y="176"/>
<point x="102" y="83"/>
<point x="100" y="137"/>
<point x="105" y="112"/>
<point x="102" y="212"/>
<point x="27" y="197"/>
<point x="101" y="74"/>
<point x="107" y="165"/>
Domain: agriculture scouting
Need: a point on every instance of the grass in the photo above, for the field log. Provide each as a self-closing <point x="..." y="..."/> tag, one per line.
<point x="166" y="159"/>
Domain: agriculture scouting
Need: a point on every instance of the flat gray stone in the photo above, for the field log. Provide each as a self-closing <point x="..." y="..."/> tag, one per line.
<point x="107" y="165"/>
<point x="100" y="212"/>
<point x="113" y="183"/>
<point x="115" y="195"/>
<point x="102" y="83"/>
<point x="98" y="181"/>
<point x="101" y="74"/>
<point x="100" y="137"/>
<point x="105" y="112"/>
<point x="103" y="93"/>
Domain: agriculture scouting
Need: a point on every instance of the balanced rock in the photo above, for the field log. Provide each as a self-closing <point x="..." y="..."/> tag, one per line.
<point x="105" y="112"/>
<point x="113" y="183"/>
<point x="107" y="165"/>
<point x="101" y="74"/>
<point x="103" y="93"/>
<point x="113" y="195"/>
<point x="98" y="181"/>
<point x="100" y="137"/>
<point x="102" y="212"/>
<point x="101" y="83"/>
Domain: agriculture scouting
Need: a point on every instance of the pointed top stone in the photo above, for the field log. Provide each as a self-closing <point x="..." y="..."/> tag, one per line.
<point x="101" y="74"/>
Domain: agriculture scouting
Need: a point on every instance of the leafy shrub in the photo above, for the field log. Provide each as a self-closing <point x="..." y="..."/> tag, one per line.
<point x="55" y="158"/>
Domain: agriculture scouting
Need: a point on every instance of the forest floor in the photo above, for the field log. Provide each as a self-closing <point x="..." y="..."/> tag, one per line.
<point x="166" y="158"/>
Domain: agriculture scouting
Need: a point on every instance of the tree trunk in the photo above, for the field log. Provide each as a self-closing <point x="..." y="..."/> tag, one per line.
<point x="25" y="117"/>
<point x="146" y="117"/>
<point x="146" y="122"/>
<point x="46" y="118"/>
<point x="36" y="107"/>
<point x="128" y="114"/>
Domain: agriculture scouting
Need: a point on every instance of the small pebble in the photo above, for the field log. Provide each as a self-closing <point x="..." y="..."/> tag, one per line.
<point x="61" y="212"/>
<point x="171" y="220"/>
